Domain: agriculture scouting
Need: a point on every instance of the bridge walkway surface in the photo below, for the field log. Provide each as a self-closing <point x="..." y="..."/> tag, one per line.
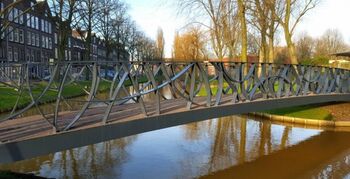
<point x="32" y="136"/>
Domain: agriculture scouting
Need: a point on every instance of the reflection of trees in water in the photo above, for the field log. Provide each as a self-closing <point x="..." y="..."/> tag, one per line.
<point x="230" y="144"/>
<point x="85" y="162"/>
<point x="285" y="137"/>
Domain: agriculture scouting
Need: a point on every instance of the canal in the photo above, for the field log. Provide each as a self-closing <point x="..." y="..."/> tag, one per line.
<point x="238" y="146"/>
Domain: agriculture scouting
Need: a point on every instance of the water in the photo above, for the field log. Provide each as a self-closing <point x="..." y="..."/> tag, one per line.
<point x="231" y="146"/>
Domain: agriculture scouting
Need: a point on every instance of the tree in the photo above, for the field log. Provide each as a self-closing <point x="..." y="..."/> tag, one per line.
<point x="289" y="14"/>
<point x="244" y="29"/>
<point x="305" y="47"/>
<point x="63" y="12"/>
<point x="264" y="21"/>
<point x="332" y="41"/>
<point x="87" y="20"/>
<point x="189" y="45"/>
<point x="160" y="44"/>
<point x="110" y="12"/>
<point x="215" y="10"/>
<point x="230" y="24"/>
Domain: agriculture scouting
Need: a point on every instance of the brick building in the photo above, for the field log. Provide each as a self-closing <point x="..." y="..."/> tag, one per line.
<point x="32" y="37"/>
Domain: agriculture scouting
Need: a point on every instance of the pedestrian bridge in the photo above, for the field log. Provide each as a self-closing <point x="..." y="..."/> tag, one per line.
<point x="119" y="99"/>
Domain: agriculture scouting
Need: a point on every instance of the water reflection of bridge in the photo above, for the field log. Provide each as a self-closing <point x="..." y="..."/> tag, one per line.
<point x="194" y="95"/>
<point x="237" y="146"/>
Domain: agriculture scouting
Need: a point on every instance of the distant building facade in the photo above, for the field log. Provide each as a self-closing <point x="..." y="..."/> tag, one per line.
<point x="32" y="37"/>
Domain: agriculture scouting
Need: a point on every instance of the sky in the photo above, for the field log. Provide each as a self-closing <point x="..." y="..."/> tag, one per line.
<point x="152" y="14"/>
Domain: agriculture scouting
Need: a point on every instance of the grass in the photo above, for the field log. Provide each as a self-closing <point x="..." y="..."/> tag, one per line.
<point x="309" y="112"/>
<point x="8" y="96"/>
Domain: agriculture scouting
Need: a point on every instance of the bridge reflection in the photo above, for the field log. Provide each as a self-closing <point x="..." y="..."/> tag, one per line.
<point x="226" y="147"/>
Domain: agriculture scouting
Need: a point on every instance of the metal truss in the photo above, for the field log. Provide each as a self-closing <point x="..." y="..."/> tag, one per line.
<point x="133" y="81"/>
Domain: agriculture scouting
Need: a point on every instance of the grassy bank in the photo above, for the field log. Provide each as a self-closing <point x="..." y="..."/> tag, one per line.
<point x="309" y="112"/>
<point x="8" y="96"/>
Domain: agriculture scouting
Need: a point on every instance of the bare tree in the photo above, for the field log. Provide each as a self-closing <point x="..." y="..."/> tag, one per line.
<point x="264" y="21"/>
<point x="160" y="43"/>
<point x="332" y="41"/>
<point x="230" y="24"/>
<point x="109" y="12"/>
<point x="63" y="12"/>
<point x="289" y="14"/>
<point x="87" y="21"/>
<point x="215" y="10"/>
<point x="242" y="6"/>
<point x="305" y="46"/>
<point x="190" y="45"/>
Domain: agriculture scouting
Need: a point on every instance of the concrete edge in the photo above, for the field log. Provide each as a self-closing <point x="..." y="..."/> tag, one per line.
<point x="301" y="121"/>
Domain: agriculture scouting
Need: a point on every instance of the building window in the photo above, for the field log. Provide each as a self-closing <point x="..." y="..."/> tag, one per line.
<point x="15" y="54"/>
<point x="43" y="41"/>
<point x="10" y="33"/>
<point x="21" y="36"/>
<point x="43" y="25"/>
<point x="21" y="54"/>
<point x="46" y="27"/>
<point x="50" y="43"/>
<point x="56" y="39"/>
<point x="28" y="20"/>
<point x="28" y="54"/>
<point x="50" y="28"/>
<point x="9" y="54"/>
<point x="37" y="23"/>
<point x="20" y="13"/>
<point x="10" y="15"/>
<point x="33" y="39"/>
<point x="29" y="38"/>
<point x="46" y="42"/>
<point x="16" y="35"/>
<point x="37" y="40"/>
<point x="32" y="5"/>
<point x="32" y="22"/>
<point x="15" y="15"/>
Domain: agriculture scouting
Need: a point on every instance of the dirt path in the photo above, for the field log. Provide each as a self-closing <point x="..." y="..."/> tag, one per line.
<point x="339" y="111"/>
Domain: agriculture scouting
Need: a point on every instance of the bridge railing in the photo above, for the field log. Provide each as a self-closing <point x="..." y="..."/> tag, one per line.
<point x="32" y="84"/>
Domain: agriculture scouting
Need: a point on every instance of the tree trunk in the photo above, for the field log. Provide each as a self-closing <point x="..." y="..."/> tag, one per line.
<point x="291" y="47"/>
<point x="244" y="31"/>
<point x="263" y="46"/>
<point x="271" y="50"/>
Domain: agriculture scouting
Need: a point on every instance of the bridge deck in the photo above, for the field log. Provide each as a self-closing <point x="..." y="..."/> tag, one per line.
<point x="32" y="136"/>
<point x="36" y="126"/>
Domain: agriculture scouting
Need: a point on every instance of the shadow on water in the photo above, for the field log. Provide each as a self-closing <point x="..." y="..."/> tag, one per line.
<point x="234" y="146"/>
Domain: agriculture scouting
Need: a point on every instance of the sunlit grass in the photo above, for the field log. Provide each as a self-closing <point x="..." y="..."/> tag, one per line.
<point x="308" y="112"/>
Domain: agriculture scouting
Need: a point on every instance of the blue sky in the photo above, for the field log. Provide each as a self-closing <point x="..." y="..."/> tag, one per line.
<point x="151" y="14"/>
